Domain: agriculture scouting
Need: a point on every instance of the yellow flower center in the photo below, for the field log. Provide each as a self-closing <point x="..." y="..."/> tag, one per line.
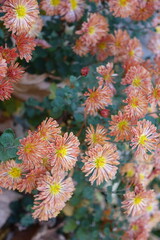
<point x="158" y="29"/>
<point x="28" y="147"/>
<point x="130" y="173"/>
<point x="73" y="4"/>
<point x="55" y="2"/>
<point x="21" y="11"/>
<point x="122" y="125"/>
<point x="107" y="77"/>
<point x="93" y="95"/>
<point x="156" y="93"/>
<point x="136" y="82"/>
<point x="94" y="138"/>
<point x="149" y="208"/>
<point x="102" y="45"/>
<point x="55" y="188"/>
<point x="134" y="227"/>
<point x="91" y="30"/>
<point x="137" y="200"/>
<point x="141" y="176"/>
<point x="131" y="53"/>
<point x="62" y="152"/>
<point x="142" y="139"/>
<point x="123" y="3"/>
<point x="100" y="162"/>
<point x="15" y="172"/>
<point x="134" y="102"/>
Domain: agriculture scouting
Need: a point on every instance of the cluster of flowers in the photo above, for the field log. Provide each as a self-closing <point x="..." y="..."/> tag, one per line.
<point x="96" y="40"/>
<point x="46" y="157"/>
<point x="135" y="9"/>
<point x="68" y="10"/>
<point x="22" y="19"/>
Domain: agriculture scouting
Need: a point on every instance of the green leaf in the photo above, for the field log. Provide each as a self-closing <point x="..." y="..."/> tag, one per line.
<point x="70" y="226"/>
<point x="53" y="88"/>
<point x="7" y="139"/>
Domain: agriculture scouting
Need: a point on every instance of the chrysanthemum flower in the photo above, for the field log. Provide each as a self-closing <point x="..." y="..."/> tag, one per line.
<point x="152" y="204"/>
<point x="25" y="46"/>
<point x="135" y="203"/>
<point x="128" y="170"/>
<point x="145" y="137"/>
<point x="51" y="7"/>
<point x="6" y="89"/>
<point x="154" y="97"/>
<point x="10" y="55"/>
<point x="80" y="47"/>
<point x="94" y="29"/>
<point x="49" y="129"/>
<point x="137" y="229"/>
<point x="10" y="174"/>
<point x="29" y="182"/>
<point x="118" y="44"/>
<point x="142" y="172"/>
<point x="120" y="127"/>
<point x="102" y="48"/>
<point x="32" y="150"/>
<point x="44" y="211"/>
<point x="122" y="8"/>
<point x="3" y="67"/>
<point x="19" y="15"/>
<point x="138" y="78"/>
<point x="106" y="73"/>
<point x="96" y="136"/>
<point x="133" y="50"/>
<point x="54" y="191"/>
<point x="14" y="72"/>
<point x="97" y="99"/>
<point x="36" y="27"/>
<point x="65" y="151"/>
<point x="72" y="10"/>
<point x="144" y="9"/>
<point x="154" y="220"/>
<point x="100" y="163"/>
<point x="137" y="105"/>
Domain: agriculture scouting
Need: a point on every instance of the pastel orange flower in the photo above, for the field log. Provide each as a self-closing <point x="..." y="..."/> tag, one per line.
<point x="100" y="163"/>
<point x="122" y="8"/>
<point x="97" y="99"/>
<point x="72" y="10"/>
<point x="25" y="46"/>
<point x="102" y="48"/>
<point x="54" y="191"/>
<point x="20" y="15"/>
<point x="65" y="151"/>
<point x="48" y="129"/>
<point x="135" y="203"/>
<point x="138" y="78"/>
<point x="96" y="136"/>
<point x="144" y="9"/>
<point x="137" y="105"/>
<point x="32" y="150"/>
<point x="51" y="7"/>
<point x="14" y="72"/>
<point x="94" y="29"/>
<point x="120" y="127"/>
<point x="6" y="89"/>
<point x="80" y="48"/>
<point x="11" y="174"/>
<point x="145" y="137"/>
<point x="29" y="181"/>
<point x="9" y="54"/>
